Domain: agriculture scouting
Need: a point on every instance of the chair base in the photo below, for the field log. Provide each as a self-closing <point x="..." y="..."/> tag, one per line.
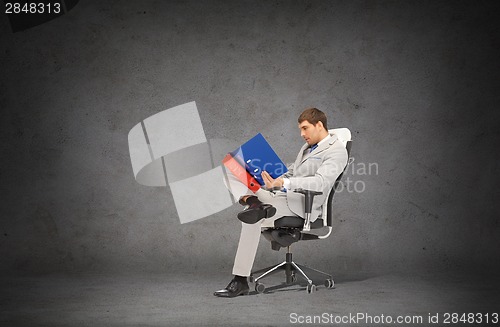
<point x="292" y="270"/>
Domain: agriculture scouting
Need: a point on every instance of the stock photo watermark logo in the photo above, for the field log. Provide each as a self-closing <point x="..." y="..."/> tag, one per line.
<point x="170" y="148"/>
<point x="350" y="183"/>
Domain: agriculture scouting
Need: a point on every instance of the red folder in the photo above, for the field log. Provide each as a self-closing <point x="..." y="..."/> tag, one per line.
<point x="240" y="172"/>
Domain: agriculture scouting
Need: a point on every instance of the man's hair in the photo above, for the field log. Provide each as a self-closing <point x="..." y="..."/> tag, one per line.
<point x="313" y="116"/>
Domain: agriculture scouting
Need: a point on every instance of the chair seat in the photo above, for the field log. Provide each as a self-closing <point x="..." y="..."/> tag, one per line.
<point x="288" y="230"/>
<point x="296" y="222"/>
<point x="289" y="221"/>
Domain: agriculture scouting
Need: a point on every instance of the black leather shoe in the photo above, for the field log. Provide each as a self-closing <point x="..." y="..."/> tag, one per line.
<point x="256" y="212"/>
<point x="234" y="288"/>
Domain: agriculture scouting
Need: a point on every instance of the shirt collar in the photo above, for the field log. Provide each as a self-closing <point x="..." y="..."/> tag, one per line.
<point x="324" y="140"/>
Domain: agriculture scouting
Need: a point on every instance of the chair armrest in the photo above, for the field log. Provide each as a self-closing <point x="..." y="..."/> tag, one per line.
<point x="308" y="198"/>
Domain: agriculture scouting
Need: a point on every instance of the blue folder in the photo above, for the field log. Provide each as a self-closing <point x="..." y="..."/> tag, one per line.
<point x="257" y="155"/>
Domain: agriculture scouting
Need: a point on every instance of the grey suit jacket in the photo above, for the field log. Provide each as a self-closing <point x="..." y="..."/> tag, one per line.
<point x="315" y="171"/>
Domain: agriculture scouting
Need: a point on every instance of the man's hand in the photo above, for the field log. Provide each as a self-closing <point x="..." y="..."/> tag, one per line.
<point x="271" y="182"/>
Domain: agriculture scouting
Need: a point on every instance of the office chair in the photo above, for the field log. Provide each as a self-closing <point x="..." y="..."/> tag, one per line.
<point x="290" y="229"/>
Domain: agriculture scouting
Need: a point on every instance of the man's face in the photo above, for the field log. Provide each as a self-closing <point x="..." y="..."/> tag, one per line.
<point x="311" y="133"/>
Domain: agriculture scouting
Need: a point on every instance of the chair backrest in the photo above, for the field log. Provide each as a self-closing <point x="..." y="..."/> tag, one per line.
<point x="344" y="136"/>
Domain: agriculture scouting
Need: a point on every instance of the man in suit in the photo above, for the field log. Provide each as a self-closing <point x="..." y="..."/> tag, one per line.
<point x="318" y="164"/>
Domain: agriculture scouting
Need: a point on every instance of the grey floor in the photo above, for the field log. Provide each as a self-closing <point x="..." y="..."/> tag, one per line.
<point x="176" y="300"/>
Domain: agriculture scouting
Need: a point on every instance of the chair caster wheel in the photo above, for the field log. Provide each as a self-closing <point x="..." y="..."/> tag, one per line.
<point x="260" y="288"/>
<point x="329" y="283"/>
<point x="311" y="288"/>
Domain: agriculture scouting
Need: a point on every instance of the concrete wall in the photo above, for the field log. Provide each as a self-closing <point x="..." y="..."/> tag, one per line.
<point x="416" y="82"/>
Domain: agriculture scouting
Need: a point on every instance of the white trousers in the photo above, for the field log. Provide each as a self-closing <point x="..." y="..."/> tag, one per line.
<point x="250" y="233"/>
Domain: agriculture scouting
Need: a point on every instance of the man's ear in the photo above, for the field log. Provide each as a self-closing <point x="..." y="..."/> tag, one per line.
<point x="320" y="123"/>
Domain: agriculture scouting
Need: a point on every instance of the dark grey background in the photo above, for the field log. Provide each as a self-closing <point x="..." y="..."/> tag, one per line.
<point x="416" y="82"/>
